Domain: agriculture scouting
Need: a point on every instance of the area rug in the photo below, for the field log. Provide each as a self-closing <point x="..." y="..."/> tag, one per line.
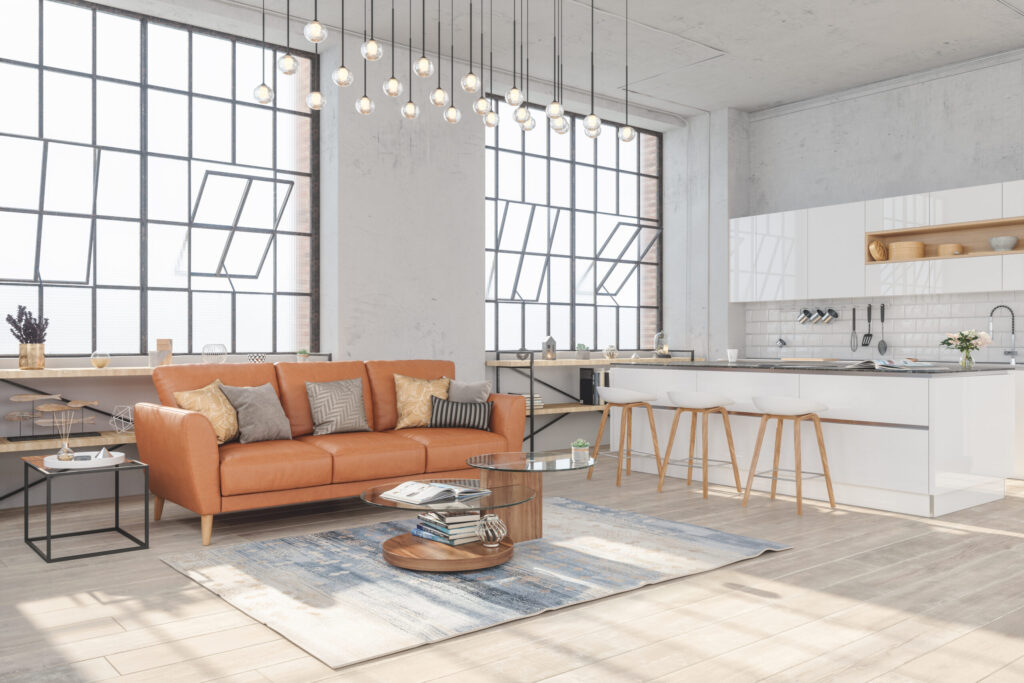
<point x="333" y="595"/>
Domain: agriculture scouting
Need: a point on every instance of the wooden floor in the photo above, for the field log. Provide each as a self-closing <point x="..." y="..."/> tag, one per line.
<point x="861" y="596"/>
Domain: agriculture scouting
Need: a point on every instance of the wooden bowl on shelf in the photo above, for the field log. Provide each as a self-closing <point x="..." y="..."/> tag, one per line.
<point x="951" y="249"/>
<point x="878" y="251"/>
<point x="905" y="251"/>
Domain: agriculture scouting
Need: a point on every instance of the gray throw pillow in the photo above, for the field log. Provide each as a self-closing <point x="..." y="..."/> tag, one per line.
<point x="260" y="415"/>
<point x="469" y="392"/>
<point x="337" y="407"/>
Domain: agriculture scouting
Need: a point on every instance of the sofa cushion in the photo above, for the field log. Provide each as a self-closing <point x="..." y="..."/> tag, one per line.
<point x="448" y="449"/>
<point x="362" y="456"/>
<point x="211" y="403"/>
<point x="260" y="415"/>
<point x="292" y="378"/>
<point x="170" y="378"/>
<point x="454" y="414"/>
<point x="382" y="384"/>
<point x="413" y="399"/>
<point x="272" y="466"/>
<point x="337" y="407"/>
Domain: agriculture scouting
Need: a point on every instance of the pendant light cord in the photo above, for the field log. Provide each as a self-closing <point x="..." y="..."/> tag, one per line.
<point x="263" y="54"/>
<point x="364" y="40"/>
<point x="343" y="32"/>
<point x="470" y="36"/>
<point x="591" y="56"/>
<point x="451" y="8"/>
<point x="372" y="30"/>
<point x="392" y="38"/>
<point x="439" y="55"/>
<point x="526" y="29"/>
<point x="288" y="27"/>
<point x="627" y="62"/>
<point x="515" y="17"/>
<point x="491" y="77"/>
<point x="410" y="50"/>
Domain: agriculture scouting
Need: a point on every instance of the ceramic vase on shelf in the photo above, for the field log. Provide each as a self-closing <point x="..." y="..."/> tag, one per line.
<point x="31" y="356"/>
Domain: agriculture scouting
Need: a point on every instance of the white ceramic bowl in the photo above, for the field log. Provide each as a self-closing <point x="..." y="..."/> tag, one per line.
<point x="1003" y="243"/>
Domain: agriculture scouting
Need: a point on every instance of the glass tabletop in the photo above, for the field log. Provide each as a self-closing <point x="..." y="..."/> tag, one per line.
<point x="499" y="497"/>
<point x="544" y="461"/>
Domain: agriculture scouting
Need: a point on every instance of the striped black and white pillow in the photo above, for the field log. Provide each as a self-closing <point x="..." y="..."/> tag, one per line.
<point x="454" y="414"/>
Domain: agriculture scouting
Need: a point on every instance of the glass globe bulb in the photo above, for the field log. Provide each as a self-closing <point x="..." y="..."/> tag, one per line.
<point x="342" y="76"/>
<point x="481" y="106"/>
<point x="315" y="32"/>
<point x="372" y="50"/>
<point x="556" y="122"/>
<point x="627" y="133"/>
<point x="410" y="110"/>
<point x="364" y="105"/>
<point x="470" y="82"/>
<point x="438" y="97"/>
<point x="592" y="133"/>
<point x="393" y="87"/>
<point x="528" y="125"/>
<point x="513" y="96"/>
<point x="521" y="114"/>
<point x="288" y="64"/>
<point x="591" y="122"/>
<point x="423" y="67"/>
<point x="452" y="114"/>
<point x="491" y="119"/>
<point x="263" y="93"/>
<point x="555" y="110"/>
<point x="315" y="100"/>
<point x="560" y="125"/>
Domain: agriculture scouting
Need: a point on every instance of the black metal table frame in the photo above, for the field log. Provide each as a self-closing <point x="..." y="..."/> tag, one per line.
<point x="49" y="537"/>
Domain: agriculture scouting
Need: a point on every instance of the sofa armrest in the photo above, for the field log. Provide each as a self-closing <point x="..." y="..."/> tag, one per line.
<point x="180" y="448"/>
<point x="508" y="418"/>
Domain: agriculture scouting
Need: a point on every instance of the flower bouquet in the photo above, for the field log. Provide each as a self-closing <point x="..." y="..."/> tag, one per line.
<point x="966" y="342"/>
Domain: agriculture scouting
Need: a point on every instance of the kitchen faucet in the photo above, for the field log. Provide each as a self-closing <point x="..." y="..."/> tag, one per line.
<point x="1012" y="353"/>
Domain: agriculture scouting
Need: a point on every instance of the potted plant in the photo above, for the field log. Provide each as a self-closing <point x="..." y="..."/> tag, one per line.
<point x="966" y="342"/>
<point x="30" y="332"/>
<point x="582" y="352"/>
<point x="580" y="450"/>
<point x="302" y="355"/>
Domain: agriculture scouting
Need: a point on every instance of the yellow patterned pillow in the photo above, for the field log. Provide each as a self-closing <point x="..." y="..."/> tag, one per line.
<point x="211" y="402"/>
<point x="413" y="399"/>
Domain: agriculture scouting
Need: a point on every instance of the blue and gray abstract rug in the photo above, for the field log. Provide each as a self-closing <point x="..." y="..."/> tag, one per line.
<point x="333" y="595"/>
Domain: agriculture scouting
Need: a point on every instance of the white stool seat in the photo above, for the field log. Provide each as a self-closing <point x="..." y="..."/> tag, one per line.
<point x="698" y="400"/>
<point x="616" y="395"/>
<point x="785" y="405"/>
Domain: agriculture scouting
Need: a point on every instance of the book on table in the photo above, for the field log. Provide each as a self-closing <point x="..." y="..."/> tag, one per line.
<point x="454" y="528"/>
<point x="420" y="532"/>
<point x="429" y="493"/>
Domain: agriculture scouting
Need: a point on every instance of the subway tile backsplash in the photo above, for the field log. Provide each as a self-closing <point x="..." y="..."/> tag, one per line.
<point x="914" y="325"/>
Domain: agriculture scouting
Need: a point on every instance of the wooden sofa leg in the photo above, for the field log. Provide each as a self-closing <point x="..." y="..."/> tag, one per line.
<point x="207" y="524"/>
<point x="158" y="508"/>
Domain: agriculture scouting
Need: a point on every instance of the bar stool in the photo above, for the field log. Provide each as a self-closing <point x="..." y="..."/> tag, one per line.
<point x="796" y="409"/>
<point x="695" y="402"/>
<point x="627" y="399"/>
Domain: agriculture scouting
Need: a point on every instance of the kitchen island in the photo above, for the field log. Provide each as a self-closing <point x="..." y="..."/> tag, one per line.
<point x="925" y="441"/>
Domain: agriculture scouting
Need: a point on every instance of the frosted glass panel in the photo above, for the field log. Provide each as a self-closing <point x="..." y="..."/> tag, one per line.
<point x="70" y="312"/>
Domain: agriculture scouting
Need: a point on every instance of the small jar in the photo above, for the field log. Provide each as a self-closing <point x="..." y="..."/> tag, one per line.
<point x="99" y="359"/>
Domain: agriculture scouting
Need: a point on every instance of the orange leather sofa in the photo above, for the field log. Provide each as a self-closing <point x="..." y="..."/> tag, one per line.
<point x="188" y="468"/>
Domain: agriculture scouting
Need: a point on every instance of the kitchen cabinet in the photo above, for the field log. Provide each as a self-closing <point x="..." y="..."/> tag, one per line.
<point x="971" y="274"/>
<point x="963" y="204"/>
<point x="835" y="251"/>
<point x="780" y="258"/>
<point x="891" y="279"/>
<point x="1013" y="272"/>
<point x="896" y="213"/>
<point x="1013" y="199"/>
<point x="741" y="259"/>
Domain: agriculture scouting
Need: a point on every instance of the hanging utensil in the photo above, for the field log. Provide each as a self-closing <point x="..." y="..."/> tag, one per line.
<point x="882" y="346"/>
<point x="866" y="341"/>
<point x="853" y="333"/>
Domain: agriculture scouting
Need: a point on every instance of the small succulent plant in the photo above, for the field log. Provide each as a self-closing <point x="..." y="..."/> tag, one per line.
<point x="580" y="443"/>
<point x="27" y="328"/>
<point x="582" y="347"/>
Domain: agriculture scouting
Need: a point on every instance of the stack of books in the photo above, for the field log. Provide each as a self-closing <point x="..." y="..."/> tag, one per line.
<point x="534" y="401"/>
<point x="452" y="528"/>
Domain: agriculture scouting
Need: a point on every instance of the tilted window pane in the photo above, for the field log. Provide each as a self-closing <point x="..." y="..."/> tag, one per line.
<point x="207" y="247"/>
<point x="258" y="210"/>
<point x="211" y="66"/>
<point x="247" y="253"/>
<point x="64" y="249"/>
<point x="117" y="46"/>
<point x="20" y="183"/>
<point x="219" y="199"/>
<point x="117" y="115"/>
<point x="67" y="36"/>
<point x="19" y="31"/>
<point x="18" y="237"/>
<point x="69" y="178"/>
<point x="19" y="114"/>
<point x="117" y="321"/>
<point x="67" y="107"/>
<point x="70" y="312"/>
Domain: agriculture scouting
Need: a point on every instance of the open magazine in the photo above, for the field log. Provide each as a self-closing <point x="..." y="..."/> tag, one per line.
<point x="427" y="493"/>
<point x="888" y="364"/>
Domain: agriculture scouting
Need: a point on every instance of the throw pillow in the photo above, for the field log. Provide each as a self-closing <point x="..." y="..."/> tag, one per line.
<point x="211" y="402"/>
<point x="337" y="407"/>
<point x="412" y="399"/>
<point x="469" y="392"/>
<point x="454" y="414"/>
<point x="260" y="415"/>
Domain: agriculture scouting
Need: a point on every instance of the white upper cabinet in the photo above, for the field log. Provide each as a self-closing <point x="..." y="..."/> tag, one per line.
<point x="1013" y="199"/>
<point x="835" y="251"/>
<point x="978" y="203"/>
<point x="780" y="256"/>
<point x="896" y="213"/>
<point x="972" y="274"/>
<point x="741" y="259"/>
<point x="891" y="279"/>
<point x="1013" y="272"/>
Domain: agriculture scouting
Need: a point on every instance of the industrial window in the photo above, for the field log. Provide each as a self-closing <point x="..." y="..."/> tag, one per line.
<point x="573" y="230"/>
<point x="144" y="194"/>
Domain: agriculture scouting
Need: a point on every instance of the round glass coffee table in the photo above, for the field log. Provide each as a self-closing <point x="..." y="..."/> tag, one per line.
<point x="420" y="554"/>
<point x="525" y="522"/>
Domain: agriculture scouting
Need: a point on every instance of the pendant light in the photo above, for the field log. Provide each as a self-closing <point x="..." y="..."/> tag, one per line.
<point x="471" y="82"/>
<point x="288" y="64"/>
<point x="314" y="31"/>
<point x="410" y="109"/>
<point x="343" y="75"/>
<point x="423" y="67"/>
<point x="560" y="124"/>
<point x="263" y="93"/>
<point x="522" y="112"/>
<point x="481" y="105"/>
<point x="554" y="110"/>
<point x="364" y="105"/>
<point x="371" y="49"/>
<point x="591" y="122"/>
<point x="393" y="86"/>
<point x="452" y="113"/>
<point x="315" y="98"/>
<point x="438" y="96"/>
<point x="627" y="132"/>
<point x="514" y="96"/>
<point x="491" y="117"/>
<point x="529" y="123"/>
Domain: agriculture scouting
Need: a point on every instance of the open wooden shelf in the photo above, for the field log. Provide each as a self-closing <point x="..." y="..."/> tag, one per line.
<point x="576" y="363"/>
<point x="973" y="235"/>
<point x="67" y="373"/>
<point x="104" y="439"/>
<point x="560" y="408"/>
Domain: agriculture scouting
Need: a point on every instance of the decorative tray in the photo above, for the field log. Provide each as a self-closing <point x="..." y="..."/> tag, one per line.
<point x="51" y="462"/>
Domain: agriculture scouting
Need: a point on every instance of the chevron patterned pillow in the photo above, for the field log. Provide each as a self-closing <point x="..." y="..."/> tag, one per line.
<point x="454" y="414"/>
<point x="337" y="406"/>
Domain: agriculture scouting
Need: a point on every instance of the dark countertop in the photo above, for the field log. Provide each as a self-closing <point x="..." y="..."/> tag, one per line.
<point x="837" y="367"/>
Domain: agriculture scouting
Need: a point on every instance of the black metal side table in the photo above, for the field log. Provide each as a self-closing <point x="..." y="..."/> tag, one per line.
<point x="34" y="463"/>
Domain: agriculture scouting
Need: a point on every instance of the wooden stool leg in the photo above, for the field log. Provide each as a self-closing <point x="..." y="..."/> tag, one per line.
<point x="600" y="433"/>
<point x="629" y="440"/>
<point x="693" y="440"/>
<point x="753" y="462"/>
<point x="778" y="451"/>
<point x="622" y="445"/>
<point x="654" y="432"/>
<point x="663" y="466"/>
<point x="824" y="459"/>
<point x="796" y="466"/>
<point x="704" y="449"/>
<point x="732" y="448"/>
